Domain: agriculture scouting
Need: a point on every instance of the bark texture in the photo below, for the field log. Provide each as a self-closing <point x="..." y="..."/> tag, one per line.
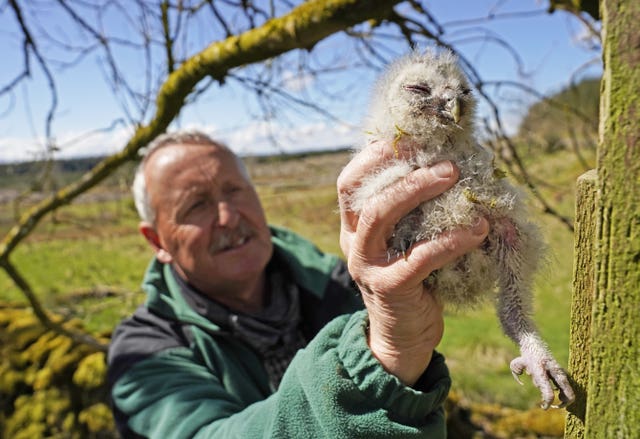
<point x="582" y="301"/>
<point x="613" y="395"/>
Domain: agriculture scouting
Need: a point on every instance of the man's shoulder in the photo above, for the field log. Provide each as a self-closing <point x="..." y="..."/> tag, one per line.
<point x="141" y="336"/>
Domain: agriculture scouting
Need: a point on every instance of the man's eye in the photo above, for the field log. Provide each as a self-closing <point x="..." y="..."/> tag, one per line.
<point x="233" y="189"/>
<point x="195" y="206"/>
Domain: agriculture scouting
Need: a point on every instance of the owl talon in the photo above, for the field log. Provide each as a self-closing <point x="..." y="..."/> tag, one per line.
<point x="517" y="377"/>
<point x="517" y="368"/>
<point x="547" y="376"/>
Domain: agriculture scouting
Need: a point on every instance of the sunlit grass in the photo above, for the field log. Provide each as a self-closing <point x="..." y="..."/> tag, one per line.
<point x="92" y="271"/>
<point x="312" y="213"/>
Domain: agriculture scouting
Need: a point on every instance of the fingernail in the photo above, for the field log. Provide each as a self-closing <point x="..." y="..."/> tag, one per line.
<point x="480" y="227"/>
<point x="442" y="169"/>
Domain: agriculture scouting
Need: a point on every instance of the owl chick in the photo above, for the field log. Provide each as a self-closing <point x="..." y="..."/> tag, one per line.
<point x="425" y="100"/>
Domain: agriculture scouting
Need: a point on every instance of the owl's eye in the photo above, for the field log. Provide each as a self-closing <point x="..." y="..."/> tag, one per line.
<point x="418" y="88"/>
<point x="465" y="91"/>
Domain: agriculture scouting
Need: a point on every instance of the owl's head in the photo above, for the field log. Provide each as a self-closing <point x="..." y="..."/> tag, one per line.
<point x="427" y="94"/>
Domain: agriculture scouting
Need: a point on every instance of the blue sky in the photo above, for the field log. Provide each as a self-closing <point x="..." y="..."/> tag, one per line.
<point x="551" y="47"/>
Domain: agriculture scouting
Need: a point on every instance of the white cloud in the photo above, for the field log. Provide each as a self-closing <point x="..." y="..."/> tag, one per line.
<point x="97" y="144"/>
<point x="70" y="145"/>
<point x="15" y="149"/>
<point x="259" y="138"/>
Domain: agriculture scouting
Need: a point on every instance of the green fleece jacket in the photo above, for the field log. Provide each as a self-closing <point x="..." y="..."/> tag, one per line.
<point x="174" y="374"/>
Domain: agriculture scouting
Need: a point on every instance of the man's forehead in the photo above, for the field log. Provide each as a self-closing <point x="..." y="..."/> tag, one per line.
<point x="175" y="173"/>
<point x="180" y="167"/>
<point x="191" y="159"/>
<point x="177" y="152"/>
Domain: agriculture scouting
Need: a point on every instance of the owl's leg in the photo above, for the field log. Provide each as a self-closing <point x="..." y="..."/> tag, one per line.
<point x="514" y="309"/>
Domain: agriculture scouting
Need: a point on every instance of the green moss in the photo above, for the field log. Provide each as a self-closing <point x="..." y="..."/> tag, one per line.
<point x="9" y="379"/>
<point x="61" y="358"/>
<point x="42" y="379"/>
<point x="53" y="388"/>
<point x="535" y="423"/>
<point x="91" y="372"/>
<point x="97" y="417"/>
<point x="499" y="422"/>
<point x="40" y="414"/>
<point x="40" y="349"/>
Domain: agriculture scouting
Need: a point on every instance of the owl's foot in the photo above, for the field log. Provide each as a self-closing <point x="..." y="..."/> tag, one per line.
<point x="547" y="375"/>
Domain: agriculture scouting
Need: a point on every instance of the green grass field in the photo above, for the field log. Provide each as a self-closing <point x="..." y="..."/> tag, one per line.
<point x="88" y="261"/>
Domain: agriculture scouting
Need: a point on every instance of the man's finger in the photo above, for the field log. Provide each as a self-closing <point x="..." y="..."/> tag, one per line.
<point x="381" y="214"/>
<point x="427" y="256"/>
<point x="372" y="157"/>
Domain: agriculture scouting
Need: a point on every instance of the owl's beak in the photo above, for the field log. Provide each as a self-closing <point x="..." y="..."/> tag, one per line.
<point x="454" y="108"/>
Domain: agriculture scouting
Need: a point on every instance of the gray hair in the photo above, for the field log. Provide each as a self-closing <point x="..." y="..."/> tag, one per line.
<point x="139" y="186"/>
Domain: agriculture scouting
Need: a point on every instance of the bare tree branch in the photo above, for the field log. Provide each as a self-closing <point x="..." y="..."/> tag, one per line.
<point x="168" y="39"/>
<point x="29" y="46"/>
<point x="219" y="17"/>
<point x="492" y="16"/>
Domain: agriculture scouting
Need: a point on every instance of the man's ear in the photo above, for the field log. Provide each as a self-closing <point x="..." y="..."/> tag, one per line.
<point x="150" y="234"/>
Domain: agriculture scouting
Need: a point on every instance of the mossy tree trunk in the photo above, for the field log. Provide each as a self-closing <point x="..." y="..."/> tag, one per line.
<point x="613" y="389"/>
<point x="582" y="301"/>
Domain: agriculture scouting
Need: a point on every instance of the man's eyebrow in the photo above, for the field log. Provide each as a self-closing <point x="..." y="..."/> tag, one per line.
<point x="180" y="197"/>
<point x="189" y="194"/>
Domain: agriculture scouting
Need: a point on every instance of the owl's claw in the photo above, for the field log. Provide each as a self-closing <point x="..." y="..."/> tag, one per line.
<point x="516" y="376"/>
<point x="547" y="376"/>
<point x="517" y="368"/>
<point x="565" y="392"/>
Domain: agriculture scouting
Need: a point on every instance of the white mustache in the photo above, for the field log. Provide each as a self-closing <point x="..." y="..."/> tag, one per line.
<point x="229" y="238"/>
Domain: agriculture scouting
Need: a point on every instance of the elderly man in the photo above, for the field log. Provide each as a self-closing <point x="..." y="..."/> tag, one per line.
<point x="251" y="331"/>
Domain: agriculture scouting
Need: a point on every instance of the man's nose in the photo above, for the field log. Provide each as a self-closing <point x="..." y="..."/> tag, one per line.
<point x="227" y="214"/>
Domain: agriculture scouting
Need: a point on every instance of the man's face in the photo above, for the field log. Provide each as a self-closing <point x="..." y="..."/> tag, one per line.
<point x="209" y="221"/>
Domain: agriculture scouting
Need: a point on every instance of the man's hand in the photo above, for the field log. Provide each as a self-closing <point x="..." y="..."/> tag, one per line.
<point x="405" y="321"/>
